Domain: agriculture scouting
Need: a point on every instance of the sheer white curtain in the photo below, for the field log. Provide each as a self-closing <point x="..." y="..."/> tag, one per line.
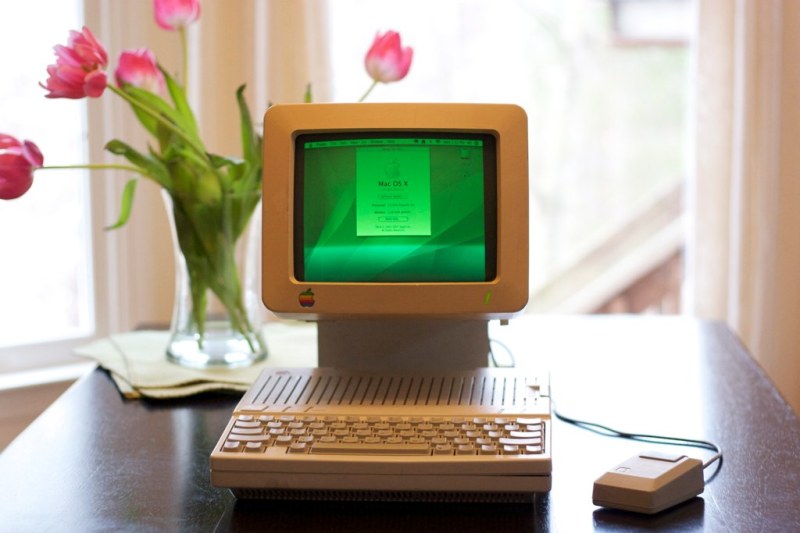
<point x="743" y="252"/>
<point x="276" y="48"/>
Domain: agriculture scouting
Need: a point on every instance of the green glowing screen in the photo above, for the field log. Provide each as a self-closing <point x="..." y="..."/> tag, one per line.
<point x="410" y="207"/>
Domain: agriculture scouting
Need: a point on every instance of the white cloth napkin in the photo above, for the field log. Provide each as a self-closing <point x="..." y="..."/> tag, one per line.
<point x="139" y="366"/>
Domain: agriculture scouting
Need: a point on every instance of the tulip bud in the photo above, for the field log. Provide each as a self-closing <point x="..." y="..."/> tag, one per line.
<point x="17" y="162"/>
<point x="387" y="60"/>
<point x="175" y="14"/>
<point x="139" y="68"/>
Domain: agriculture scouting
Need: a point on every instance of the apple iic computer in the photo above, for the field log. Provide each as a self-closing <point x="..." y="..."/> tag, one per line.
<point x="401" y="230"/>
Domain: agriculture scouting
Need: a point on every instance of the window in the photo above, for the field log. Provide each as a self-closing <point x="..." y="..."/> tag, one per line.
<point x="606" y="119"/>
<point x="46" y="273"/>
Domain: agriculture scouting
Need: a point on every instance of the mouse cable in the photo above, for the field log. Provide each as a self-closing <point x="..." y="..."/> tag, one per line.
<point x="510" y="361"/>
<point x="644" y="437"/>
<point x="610" y="432"/>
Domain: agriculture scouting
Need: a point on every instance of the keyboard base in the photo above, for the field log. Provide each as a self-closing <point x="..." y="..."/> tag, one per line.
<point x="477" y="487"/>
<point x="384" y="496"/>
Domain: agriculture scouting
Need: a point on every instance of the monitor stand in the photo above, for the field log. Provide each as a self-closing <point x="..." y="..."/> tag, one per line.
<point x="403" y="346"/>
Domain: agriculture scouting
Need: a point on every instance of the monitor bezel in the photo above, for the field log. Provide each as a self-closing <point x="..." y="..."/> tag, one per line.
<point x="502" y="297"/>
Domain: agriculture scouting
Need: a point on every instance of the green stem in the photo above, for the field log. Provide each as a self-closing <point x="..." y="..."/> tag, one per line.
<point x="364" y="96"/>
<point x="95" y="166"/>
<point x="184" y="58"/>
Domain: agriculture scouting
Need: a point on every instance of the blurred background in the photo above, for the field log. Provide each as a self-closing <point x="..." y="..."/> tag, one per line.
<point x="660" y="152"/>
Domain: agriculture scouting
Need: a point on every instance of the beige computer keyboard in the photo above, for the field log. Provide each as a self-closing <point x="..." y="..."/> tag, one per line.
<point x="326" y="434"/>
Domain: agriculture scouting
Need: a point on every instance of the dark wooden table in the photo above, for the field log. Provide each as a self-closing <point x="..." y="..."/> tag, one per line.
<point x="96" y="462"/>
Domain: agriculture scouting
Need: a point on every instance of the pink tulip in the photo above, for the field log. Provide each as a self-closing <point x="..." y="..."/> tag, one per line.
<point x="17" y="161"/>
<point x="175" y="14"/>
<point x="139" y="68"/>
<point x="79" y="70"/>
<point x="387" y="60"/>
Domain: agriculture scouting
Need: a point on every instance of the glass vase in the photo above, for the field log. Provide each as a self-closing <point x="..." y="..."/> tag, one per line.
<point x="217" y="314"/>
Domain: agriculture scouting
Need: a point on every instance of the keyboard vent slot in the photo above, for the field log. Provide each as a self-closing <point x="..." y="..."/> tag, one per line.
<point x="365" y="390"/>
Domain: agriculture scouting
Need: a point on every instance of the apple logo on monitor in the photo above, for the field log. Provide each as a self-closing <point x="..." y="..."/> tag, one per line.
<point x="306" y="298"/>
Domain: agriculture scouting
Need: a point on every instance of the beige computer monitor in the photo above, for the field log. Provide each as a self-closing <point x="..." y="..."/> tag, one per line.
<point x="400" y="214"/>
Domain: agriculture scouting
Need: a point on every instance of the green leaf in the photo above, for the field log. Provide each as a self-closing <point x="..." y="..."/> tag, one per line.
<point x="250" y="144"/>
<point x="182" y="106"/>
<point x="150" y="165"/>
<point x="146" y="104"/>
<point x="127" y="203"/>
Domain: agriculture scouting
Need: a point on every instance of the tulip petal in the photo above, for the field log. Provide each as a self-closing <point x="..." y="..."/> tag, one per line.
<point x="15" y="176"/>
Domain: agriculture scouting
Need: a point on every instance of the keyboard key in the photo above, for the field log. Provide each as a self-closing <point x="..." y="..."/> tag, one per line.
<point x="365" y="448"/>
<point x="253" y="438"/>
<point x="253" y="447"/>
<point x="519" y="442"/>
<point x="231" y="446"/>
<point x="443" y="449"/>
<point x="465" y="449"/>
<point x="510" y="449"/>
<point x="525" y="434"/>
<point x="534" y="450"/>
<point x="529" y="421"/>
<point x="246" y="424"/>
<point x="488" y="449"/>
<point x="246" y="431"/>
<point x="298" y="447"/>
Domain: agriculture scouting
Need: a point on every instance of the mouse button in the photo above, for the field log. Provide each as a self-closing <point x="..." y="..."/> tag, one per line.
<point x="662" y="456"/>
